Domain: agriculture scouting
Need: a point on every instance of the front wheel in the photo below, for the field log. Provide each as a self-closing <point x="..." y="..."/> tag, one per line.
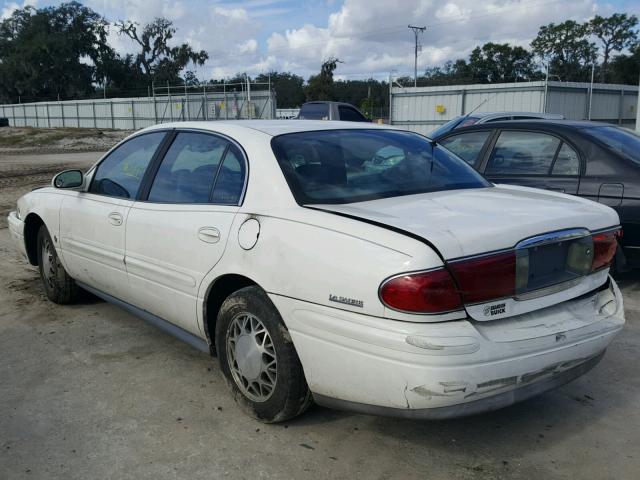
<point x="258" y="359"/>
<point x="58" y="285"/>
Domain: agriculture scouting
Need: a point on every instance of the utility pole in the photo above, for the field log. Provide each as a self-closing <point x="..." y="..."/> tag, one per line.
<point x="593" y="69"/>
<point x="418" y="47"/>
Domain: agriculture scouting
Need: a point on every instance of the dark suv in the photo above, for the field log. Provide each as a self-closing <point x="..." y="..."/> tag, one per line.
<point x="597" y="161"/>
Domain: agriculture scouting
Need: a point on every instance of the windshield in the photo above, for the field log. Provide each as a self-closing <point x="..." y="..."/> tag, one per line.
<point x="621" y="141"/>
<point x="345" y="166"/>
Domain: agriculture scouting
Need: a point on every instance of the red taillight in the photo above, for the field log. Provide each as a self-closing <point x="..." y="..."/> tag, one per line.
<point x="425" y="292"/>
<point x="604" y="249"/>
<point x="486" y="278"/>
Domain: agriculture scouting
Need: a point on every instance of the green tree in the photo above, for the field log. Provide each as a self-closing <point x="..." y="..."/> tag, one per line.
<point x="156" y="59"/>
<point x="500" y="62"/>
<point x="320" y="87"/>
<point x="625" y="69"/>
<point x="287" y="86"/>
<point x="566" y="49"/>
<point x="615" y="33"/>
<point x="191" y="79"/>
<point x="51" y="52"/>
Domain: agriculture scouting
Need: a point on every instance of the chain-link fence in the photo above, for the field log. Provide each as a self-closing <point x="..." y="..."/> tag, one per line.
<point x="239" y="101"/>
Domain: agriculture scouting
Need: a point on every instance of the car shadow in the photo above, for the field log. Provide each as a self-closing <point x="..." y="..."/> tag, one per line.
<point x="87" y="298"/>
<point x="548" y="418"/>
<point x="628" y="280"/>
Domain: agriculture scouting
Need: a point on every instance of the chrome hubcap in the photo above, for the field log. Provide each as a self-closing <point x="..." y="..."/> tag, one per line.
<point x="252" y="357"/>
<point x="48" y="263"/>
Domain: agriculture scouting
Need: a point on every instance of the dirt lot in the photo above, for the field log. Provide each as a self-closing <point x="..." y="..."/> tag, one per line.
<point x="27" y="139"/>
<point x="88" y="391"/>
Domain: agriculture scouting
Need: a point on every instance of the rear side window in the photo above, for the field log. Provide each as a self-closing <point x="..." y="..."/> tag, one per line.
<point x="567" y="162"/>
<point x="466" y="145"/>
<point x="230" y="179"/>
<point x="199" y="168"/>
<point x="120" y="174"/>
<point x="314" y="111"/>
<point x="349" y="114"/>
<point x="188" y="170"/>
<point x="522" y="153"/>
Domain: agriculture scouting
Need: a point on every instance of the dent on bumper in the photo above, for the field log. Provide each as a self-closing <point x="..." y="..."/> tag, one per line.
<point x="552" y="379"/>
<point x="352" y="360"/>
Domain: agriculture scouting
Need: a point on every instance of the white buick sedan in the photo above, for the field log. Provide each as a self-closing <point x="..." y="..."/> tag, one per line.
<point x="361" y="267"/>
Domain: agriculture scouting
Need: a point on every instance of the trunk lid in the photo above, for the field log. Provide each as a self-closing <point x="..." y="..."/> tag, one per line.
<point x="461" y="223"/>
<point x="548" y="233"/>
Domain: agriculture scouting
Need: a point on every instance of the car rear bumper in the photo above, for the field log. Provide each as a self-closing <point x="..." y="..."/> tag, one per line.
<point x="448" y="369"/>
<point x="16" y="230"/>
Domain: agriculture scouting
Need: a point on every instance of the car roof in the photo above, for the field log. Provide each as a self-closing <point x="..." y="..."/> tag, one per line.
<point x="268" y="127"/>
<point x="538" y="124"/>
<point x="502" y="114"/>
<point x="326" y="102"/>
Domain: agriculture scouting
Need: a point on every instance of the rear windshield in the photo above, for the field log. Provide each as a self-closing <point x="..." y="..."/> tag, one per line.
<point x="621" y="141"/>
<point x="345" y="166"/>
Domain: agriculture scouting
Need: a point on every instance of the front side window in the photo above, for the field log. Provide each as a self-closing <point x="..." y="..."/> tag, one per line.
<point x="345" y="166"/>
<point x="189" y="168"/>
<point x="120" y="174"/>
<point x="466" y="145"/>
<point x="522" y="153"/>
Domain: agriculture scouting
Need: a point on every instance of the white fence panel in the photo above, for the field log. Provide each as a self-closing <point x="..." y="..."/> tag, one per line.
<point x="136" y="113"/>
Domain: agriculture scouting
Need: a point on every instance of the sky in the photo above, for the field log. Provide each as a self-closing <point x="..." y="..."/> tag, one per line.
<point x="370" y="37"/>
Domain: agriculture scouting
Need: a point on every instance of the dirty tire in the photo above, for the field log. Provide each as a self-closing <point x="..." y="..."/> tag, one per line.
<point x="58" y="285"/>
<point x="290" y="395"/>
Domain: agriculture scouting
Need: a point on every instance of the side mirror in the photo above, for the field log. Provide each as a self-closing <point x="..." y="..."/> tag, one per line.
<point x="68" y="179"/>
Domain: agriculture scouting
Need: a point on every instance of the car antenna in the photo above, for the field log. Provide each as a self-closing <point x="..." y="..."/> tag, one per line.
<point x="434" y="143"/>
<point x="480" y="104"/>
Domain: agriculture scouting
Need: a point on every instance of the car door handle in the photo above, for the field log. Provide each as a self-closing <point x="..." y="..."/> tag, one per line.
<point x="209" y="234"/>
<point x="115" y="218"/>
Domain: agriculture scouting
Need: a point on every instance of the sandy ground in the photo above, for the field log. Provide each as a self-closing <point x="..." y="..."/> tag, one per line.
<point x="47" y="140"/>
<point x="88" y="391"/>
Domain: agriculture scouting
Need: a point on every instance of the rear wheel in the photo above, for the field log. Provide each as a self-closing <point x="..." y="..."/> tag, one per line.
<point x="58" y="285"/>
<point x="258" y="359"/>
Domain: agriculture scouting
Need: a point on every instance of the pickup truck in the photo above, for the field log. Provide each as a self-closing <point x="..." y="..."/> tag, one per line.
<point x="331" y="111"/>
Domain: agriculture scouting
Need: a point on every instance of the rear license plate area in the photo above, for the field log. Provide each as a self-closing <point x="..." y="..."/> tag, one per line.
<point x="551" y="263"/>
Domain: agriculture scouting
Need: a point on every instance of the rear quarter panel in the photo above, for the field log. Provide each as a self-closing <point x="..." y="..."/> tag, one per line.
<point x="319" y="257"/>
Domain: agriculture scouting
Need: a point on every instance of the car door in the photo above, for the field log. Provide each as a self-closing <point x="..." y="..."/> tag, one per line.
<point x="178" y="231"/>
<point x="92" y="223"/>
<point x="469" y="146"/>
<point x="533" y="159"/>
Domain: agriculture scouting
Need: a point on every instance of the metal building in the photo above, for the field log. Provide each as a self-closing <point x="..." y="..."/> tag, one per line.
<point x="422" y="109"/>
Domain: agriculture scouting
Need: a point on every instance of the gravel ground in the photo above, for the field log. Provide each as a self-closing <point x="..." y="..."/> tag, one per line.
<point x="88" y="391"/>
